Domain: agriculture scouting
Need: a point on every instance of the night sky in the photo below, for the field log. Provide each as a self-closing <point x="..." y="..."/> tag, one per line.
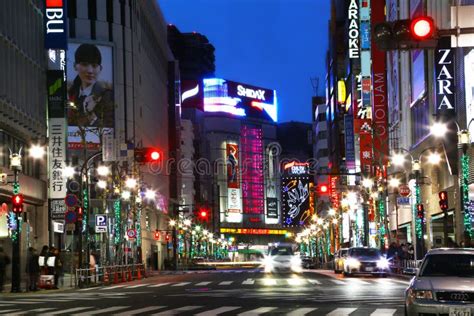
<point x="275" y="44"/>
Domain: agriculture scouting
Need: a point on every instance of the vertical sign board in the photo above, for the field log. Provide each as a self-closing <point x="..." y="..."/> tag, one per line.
<point x="100" y="223"/>
<point x="234" y="196"/>
<point x="55" y="24"/>
<point x="272" y="207"/>
<point x="354" y="43"/>
<point x="57" y="158"/>
<point x="469" y="87"/>
<point x="349" y="141"/>
<point x="295" y="195"/>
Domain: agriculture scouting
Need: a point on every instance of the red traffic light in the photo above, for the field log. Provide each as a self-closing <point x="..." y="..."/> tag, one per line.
<point x="323" y="188"/>
<point x="157" y="235"/>
<point x="167" y="237"/>
<point x="422" y="28"/>
<point x="17" y="203"/>
<point x="154" y="155"/>
<point x="443" y="200"/>
<point x="147" y="154"/>
<point x="443" y="195"/>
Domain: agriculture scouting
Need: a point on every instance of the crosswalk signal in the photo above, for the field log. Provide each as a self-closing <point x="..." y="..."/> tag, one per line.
<point x="17" y="203"/>
<point x="406" y="34"/>
<point x="420" y="211"/>
<point x="203" y="215"/>
<point x="157" y="234"/>
<point x="443" y="200"/>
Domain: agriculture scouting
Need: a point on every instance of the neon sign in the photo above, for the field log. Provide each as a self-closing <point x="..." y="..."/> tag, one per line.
<point x="250" y="93"/>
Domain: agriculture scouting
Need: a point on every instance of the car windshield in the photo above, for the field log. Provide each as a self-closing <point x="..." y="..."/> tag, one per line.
<point x="362" y="252"/>
<point x="459" y="265"/>
<point x="281" y="251"/>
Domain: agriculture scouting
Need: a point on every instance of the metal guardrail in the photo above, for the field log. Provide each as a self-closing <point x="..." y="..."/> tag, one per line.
<point x="108" y="275"/>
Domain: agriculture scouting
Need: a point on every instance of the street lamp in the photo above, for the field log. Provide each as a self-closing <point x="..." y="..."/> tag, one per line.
<point x="439" y="129"/>
<point x="416" y="166"/>
<point x="131" y="183"/>
<point x="103" y="171"/>
<point x="37" y="151"/>
<point x="150" y="194"/>
<point x="68" y="172"/>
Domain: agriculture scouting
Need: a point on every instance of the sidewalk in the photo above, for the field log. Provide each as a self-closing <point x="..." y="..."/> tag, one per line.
<point x="67" y="283"/>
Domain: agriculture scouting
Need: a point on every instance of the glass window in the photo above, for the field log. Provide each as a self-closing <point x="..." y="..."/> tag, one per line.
<point x="366" y="252"/>
<point x="281" y="251"/>
<point x="459" y="265"/>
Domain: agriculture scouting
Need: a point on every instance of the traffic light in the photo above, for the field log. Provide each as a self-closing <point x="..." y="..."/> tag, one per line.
<point x="167" y="237"/>
<point x="443" y="200"/>
<point x="17" y="203"/>
<point x="420" y="211"/>
<point x="323" y="189"/>
<point x="157" y="234"/>
<point x="80" y="213"/>
<point x="147" y="154"/>
<point x="203" y="214"/>
<point x="406" y="34"/>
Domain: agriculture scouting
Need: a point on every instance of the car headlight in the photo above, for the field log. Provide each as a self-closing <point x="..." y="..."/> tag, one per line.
<point x="268" y="263"/>
<point x="420" y="294"/>
<point x="295" y="261"/>
<point x="353" y="263"/>
<point x="383" y="263"/>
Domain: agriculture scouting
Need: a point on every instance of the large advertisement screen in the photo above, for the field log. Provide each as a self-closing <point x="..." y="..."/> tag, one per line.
<point x="90" y="93"/>
<point x="234" y="199"/>
<point x="239" y="99"/>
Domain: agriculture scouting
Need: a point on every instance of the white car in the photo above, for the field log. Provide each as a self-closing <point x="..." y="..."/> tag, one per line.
<point x="444" y="284"/>
<point x="282" y="258"/>
<point x="363" y="260"/>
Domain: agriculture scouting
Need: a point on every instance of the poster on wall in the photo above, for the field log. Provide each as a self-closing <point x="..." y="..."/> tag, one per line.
<point x="295" y="195"/>
<point x="90" y="93"/>
<point x="272" y="208"/>
<point x="232" y="152"/>
<point x="234" y="201"/>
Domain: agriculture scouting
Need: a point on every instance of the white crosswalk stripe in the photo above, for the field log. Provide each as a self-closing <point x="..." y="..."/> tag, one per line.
<point x="226" y="283"/>
<point x="341" y="312"/>
<point x="68" y="311"/>
<point x="312" y="281"/>
<point x="203" y="283"/>
<point x="140" y="310"/>
<point x="89" y="289"/>
<point x="26" y="302"/>
<point x="40" y="310"/>
<point x="358" y="281"/>
<point x="136" y="286"/>
<point x="301" y="311"/>
<point x="102" y="311"/>
<point x="181" y="284"/>
<point x="218" y="311"/>
<point x="113" y="287"/>
<point x="8" y="311"/>
<point x="159" y="284"/>
<point x="179" y="310"/>
<point x="339" y="282"/>
<point x="294" y="281"/>
<point x="383" y="312"/>
<point x="248" y="282"/>
<point x="257" y="311"/>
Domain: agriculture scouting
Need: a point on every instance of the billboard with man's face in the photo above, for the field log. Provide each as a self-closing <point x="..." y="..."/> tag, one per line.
<point x="90" y="92"/>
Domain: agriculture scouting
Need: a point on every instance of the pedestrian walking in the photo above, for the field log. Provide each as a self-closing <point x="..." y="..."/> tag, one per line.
<point x="32" y="269"/>
<point x="4" y="261"/>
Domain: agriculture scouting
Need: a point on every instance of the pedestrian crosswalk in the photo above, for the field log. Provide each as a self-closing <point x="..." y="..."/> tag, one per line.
<point x="264" y="281"/>
<point x="201" y="310"/>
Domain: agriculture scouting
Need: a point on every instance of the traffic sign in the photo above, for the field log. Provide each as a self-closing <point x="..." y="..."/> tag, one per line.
<point x="101" y="223"/>
<point x="404" y="190"/>
<point x="71" y="200"/>
<point x="70" y="217"/>
<point x="131" y="233"/>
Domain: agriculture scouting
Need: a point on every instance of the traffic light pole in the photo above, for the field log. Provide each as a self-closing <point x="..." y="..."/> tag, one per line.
<point x="16" y="241"/>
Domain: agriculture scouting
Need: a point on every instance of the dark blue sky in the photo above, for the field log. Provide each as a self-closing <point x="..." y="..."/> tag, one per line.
<point x="276" y="44"/>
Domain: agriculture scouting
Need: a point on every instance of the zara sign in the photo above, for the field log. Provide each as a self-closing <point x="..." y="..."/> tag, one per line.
<point x="444" y="59"/>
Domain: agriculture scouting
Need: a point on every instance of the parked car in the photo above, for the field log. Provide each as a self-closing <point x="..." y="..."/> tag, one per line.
<point x="339" y="259"/>
<point x="308" y="262"/>
<point x="365" y="260"/>
<point x="443" y="285"/>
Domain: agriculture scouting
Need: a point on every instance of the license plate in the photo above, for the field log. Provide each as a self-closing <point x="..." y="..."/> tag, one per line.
<point x="459" y="311"/>
<point x="369" y="269"/>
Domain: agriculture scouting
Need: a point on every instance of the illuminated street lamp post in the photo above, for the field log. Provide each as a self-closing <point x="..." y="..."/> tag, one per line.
<point x="464" y="141"/>
<point x="419" y="221"/>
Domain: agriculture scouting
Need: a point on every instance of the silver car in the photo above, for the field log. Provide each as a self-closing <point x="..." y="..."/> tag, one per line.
<point x="444" y="284"/>
<point x="365" y="260"/>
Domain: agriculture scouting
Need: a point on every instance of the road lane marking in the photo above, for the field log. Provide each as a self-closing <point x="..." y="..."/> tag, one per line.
<point x="358" y="281"/>
<point x="136" y="286"/>
<point x="26" y="302"/>
<point x="400" y="281"/>
<point x="312" y="281"/>
<point x="301" y="311"/>
<point x="341" y="312"/>
<point x="8" y="311"/>
<point x="269" y="282"/>
<point x="218" y="311"/>
<point x="203" y="283"/>
<point x="295" y="281"/>
<point x="67" y="311"/>
<point x="257" y="311"/>
<point x="226" y="283"/>
<point x="383" y="312"/>
<point x="160" y="284"/>
<point x="140" y="310"/>
<point x="90" y="289"/>
<point x="248" y="282"/>
<point x="102" y="311"/>
<point x="113" y="287"/>
<point x="338" y="282"/>
<point x="178" y="310"/>
<point x="181" y="284"/>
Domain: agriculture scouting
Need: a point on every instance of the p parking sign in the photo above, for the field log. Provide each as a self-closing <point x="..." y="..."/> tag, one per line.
<point x="101" y="223"/>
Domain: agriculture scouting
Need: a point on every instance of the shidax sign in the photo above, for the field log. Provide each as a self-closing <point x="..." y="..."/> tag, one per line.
<point x="251" y="93"/>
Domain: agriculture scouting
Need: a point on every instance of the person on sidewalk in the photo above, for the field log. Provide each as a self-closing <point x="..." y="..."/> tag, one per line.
<point x="4" y="261"/>
<point x="33" y="269"/>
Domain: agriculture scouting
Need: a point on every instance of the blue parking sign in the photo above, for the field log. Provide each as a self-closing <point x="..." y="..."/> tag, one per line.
<point x="101" y="223"/>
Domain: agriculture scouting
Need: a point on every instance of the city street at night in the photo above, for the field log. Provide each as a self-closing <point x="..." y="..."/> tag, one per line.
<point x="231" y="292"/>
